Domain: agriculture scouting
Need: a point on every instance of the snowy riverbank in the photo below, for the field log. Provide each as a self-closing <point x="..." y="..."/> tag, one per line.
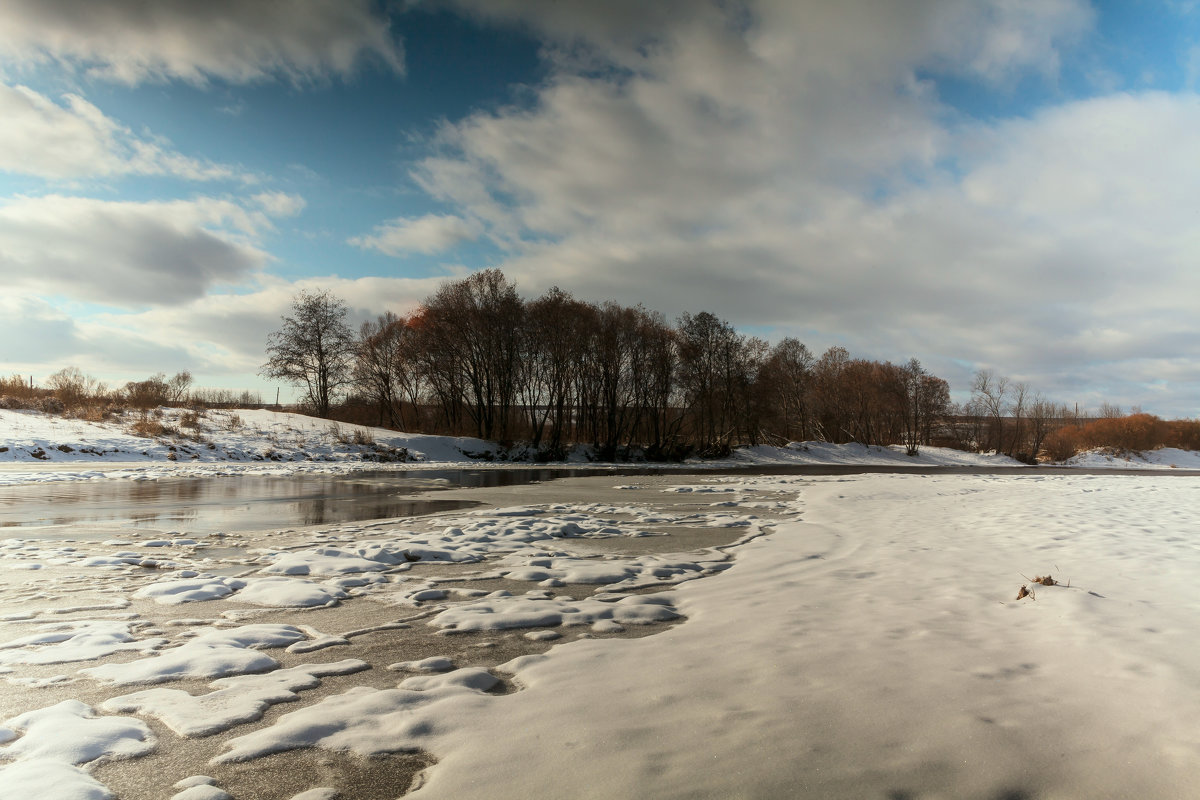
<point x="820" y="636"/>
<point x="37" y="447"/>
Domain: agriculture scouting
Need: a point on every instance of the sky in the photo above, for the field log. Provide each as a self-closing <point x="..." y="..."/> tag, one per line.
<point x="1010" y="185"/>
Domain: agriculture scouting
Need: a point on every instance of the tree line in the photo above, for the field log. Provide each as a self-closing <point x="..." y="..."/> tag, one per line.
<point x="475" y="358"/>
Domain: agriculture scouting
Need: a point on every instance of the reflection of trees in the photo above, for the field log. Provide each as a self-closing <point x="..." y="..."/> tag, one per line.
<point x="158" y="517"/>
<point x="144" y="492"/>
<point x="320" y="511"/>
<point x="249" y="502"/>
<point x="313" y="512"/>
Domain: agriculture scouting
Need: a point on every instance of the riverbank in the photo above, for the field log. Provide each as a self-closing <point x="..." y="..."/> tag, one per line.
<point x="665" y="636"/>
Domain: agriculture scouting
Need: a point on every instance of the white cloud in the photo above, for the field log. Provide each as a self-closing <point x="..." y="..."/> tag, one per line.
<point x="225" y="333"/>
<point x="788" y="168"/>
<point x="37" y="338"/>
<point x="126" y="253"/>
<point x="74" y="140"/>
<point x="431" y="233"/>
<point x="725" y="113"/>
<point x="132" y="42"/>
<point x="280" y="204"/>
<point x="220" y="336"/>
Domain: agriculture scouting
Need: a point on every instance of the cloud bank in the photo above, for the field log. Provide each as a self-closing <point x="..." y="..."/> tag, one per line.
<point x="132" y="41"/>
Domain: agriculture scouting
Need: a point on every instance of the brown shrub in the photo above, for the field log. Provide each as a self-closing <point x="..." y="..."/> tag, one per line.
<point x="1184" y="434"/>
<point x="192" y="420"/>
<point x="52" y="405"/>
<point x="1136" y="432"/>
<point x="147" y="427"/>
<point x="17" y="388"/>
<point x="1061" y="444"/>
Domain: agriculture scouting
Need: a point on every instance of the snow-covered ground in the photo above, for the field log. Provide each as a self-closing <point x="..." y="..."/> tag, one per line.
<point x="242" y="441"/>
<point x="837" y="636"/>
<point x="217" y="435"/>
<point x="1163" y="458"/>
<point x="37" y="447"/>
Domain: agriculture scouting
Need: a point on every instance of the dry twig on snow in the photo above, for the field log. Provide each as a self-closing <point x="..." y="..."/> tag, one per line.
<point x="1043" y="580"/>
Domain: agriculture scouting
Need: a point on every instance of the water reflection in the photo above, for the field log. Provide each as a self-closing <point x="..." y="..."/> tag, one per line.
<point x="230" y="503"/>
<point x="253" y="502"/>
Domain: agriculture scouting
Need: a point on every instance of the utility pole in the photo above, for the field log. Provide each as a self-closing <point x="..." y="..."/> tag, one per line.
<point x="277" y="397"/>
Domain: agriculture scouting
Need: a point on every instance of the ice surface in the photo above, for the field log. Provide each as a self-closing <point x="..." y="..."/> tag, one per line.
<point x="864" y="640"/>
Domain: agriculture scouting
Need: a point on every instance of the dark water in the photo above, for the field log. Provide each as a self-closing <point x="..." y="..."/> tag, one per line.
<point x="242" y="503"/>
<point x="245" y="502"/>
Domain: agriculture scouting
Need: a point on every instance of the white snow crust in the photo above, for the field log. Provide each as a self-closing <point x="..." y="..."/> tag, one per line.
<point x="861" y="637"/>
<point x="36" y="448"/>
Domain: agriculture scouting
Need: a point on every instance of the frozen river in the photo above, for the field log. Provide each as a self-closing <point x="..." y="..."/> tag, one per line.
<point x="831" y="632"/>
<point x="234" y="503"/>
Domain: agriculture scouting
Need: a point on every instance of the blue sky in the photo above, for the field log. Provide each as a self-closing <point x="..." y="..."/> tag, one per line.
<point x="992" y="185"/>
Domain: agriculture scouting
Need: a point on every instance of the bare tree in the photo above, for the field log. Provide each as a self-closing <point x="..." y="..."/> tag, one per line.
<point x="382" y="365"/>
<point x="787" y="377"/>
<point x="989" y="394"/>
<point x="475" y="326"/>
<point x="178" y="386"/>
<point x="72" y="386"/>
<point x="830" y="404"/>
<point x="553" y="341"/>
<point x="926" y="397"/>
<point x="150" y="393"/>
<point x="1042" y="415"/>
<point x="314" y="349"/>
<point x="1018" y="408"/>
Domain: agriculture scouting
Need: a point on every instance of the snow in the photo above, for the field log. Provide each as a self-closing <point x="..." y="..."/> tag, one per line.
<point x="35" y="777"/>
<point x="363" y="720"/>
<point x="873" y="646"/>
<point x="289" y="593"/>
<point x="431" y="664"/>
<point x="202" y="792"/>
<point x="189" y="590"/>
<point x="854" y="636"/>
<point x="36" y="448"/>
<point x="213" y="654"/>
<point x="57" y="739"/>
<point x="72" y="733"/>
<point x="535" y="610"/>
<point x="854" y="454"/>
<point x="236" y="700"/>
<point x="1162" y="458"/>
<point x="66" y="642"/>
<point x="241" y="442"/>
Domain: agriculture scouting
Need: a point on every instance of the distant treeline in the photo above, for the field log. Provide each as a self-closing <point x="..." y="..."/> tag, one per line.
<point x="72" y="391"/>
<point x="477" y="359"/>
